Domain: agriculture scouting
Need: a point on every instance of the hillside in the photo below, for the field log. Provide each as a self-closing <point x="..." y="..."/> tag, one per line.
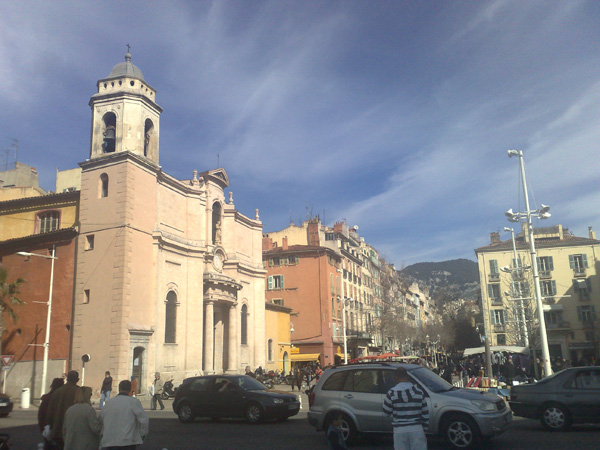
<point x="446" y="280"/>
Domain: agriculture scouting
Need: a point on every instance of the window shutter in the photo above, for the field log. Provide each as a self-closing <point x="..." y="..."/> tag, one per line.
<point x="579" y="314"/>
<point x="490" y="295"/>
<point x="539" y="264"/>
<point x="493" y="317"/>
<point x="270" y="282"/>
<point x="553" y="287"/>
<point x="281" y="278"/>
<point x="585" y="264"/>
<point x="550" y="263"/>
<point x="503" y="316"/>
<point x="588" y="282"/>
<point x="493" y="266"/>
<point x="571" y="261"/>
<point x="593" y="311"/>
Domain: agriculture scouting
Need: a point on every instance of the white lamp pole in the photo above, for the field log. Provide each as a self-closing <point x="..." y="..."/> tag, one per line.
<point x="543" y="214"/>
<point x="344" y="330"/>
<point x="48" y="316"/>
<point x="518" y="290"/>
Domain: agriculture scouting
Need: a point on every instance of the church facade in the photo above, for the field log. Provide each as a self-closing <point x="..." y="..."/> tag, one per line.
<point x="169" y="275"/>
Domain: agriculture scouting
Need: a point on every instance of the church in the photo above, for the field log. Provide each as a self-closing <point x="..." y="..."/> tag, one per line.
<point x="169" y="275"/>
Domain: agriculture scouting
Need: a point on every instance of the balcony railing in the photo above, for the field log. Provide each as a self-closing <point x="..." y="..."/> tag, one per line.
<point x="499" y="327"/>
<point x="545" y="274"/>
<point x="562" y="325"/>
<point x="579" y="271"/>
<point x="494" y="276"/>
<point x="496" y="300"/>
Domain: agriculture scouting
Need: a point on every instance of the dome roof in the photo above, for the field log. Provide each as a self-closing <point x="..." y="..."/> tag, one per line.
<point x="126" y="69"/>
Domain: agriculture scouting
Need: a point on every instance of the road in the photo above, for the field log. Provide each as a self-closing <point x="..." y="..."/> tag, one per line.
<point x="295" y="434"/>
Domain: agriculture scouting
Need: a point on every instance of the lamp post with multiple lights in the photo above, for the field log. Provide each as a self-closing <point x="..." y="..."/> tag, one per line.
<point x="541" y="213"/>
<point x="49" y="314"/>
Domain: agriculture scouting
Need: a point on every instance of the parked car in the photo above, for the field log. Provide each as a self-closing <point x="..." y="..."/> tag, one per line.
<point x="566" y="397"/>
<point x="232" y="396"/>
<point x="463" y="416"/>
<point x="6" y="405"/>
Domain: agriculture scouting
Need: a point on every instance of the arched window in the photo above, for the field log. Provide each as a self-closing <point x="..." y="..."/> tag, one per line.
<point x="148" y="130"/>
<point x="103" y="186"/>
<point x="110" y="133"/>
<point x="171" y="318"/>
<point x="270" y="350"/>
<point x="216" y="223"/>
<point x="244" y="325"/>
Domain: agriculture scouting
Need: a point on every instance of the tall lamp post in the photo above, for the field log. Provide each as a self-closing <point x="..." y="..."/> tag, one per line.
<point x="344" y="330"/>
<point x="49" y="314"/>
<point x="542" y="213"/>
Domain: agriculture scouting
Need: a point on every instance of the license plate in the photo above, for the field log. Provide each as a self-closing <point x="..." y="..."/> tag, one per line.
<point x="293" y="407"/>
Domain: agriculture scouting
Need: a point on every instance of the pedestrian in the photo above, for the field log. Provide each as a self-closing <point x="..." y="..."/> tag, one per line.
<point x="406" y="403"/>
<point x="43" y="410"/>
<point x="105" y="389"/>
<point x="133" y="392"/>
<point x="123" y="421"/>
<point x="335" y="438"/>
<point x="299" y="376"/>
<point x="158" y="389"/>
<point x="62" y="399"/>
<point x="81" y="427"/>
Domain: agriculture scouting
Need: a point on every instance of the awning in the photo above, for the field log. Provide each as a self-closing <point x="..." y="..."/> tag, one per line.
<point x="496" y="348"/>
<point x="305" y="357"/>
<point x="341" y="355"/>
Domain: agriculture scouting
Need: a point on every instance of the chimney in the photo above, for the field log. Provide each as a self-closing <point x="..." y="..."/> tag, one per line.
<point x="267" y="243"/>
<point x="592" y="233"/>
<point x="284" y="244"/>
<point x="313" y="233"/>
<point x="495" y="237"/>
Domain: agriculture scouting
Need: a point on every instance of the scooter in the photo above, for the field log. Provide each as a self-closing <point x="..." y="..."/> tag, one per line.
<point x="168" y="390"/>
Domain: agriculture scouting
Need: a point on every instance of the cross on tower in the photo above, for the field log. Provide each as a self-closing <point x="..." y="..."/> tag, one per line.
<point x="128" y="48"/>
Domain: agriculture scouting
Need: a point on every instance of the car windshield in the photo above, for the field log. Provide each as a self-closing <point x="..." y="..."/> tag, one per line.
<point x="250" y="384"/>
<point x="430" y="380"/>
<point x="549" y="377"/>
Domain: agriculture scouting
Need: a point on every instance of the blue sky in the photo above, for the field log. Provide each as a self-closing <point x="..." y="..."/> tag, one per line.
<point x="395" y="116"/>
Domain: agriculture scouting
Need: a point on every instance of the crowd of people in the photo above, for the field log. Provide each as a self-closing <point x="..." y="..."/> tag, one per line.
<point x="68" y="421"/>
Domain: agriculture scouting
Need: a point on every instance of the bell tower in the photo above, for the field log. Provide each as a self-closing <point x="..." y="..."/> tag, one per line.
<point x="125" y="116"/>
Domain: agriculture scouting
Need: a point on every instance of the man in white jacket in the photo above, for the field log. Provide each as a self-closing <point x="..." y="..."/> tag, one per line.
<point x="124" y="421"/>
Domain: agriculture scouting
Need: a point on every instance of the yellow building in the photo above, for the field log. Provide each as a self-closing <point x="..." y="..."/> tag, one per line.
<point x="278" y="336"/>
<point x="568" y="271"/>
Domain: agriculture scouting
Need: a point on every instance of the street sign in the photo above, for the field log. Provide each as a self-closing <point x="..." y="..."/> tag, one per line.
<point x="6" y="359"/>
<point x="6" y="367"/>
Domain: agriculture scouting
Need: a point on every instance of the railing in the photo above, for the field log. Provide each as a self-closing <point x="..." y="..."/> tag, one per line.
<point x="494" y="276"/>
<point x="496" y="300"/>
<point x="545" y="274"/>
<point x="499" y="327"/>
<point x="579" y="271"/>
<point x="562" y="325"/>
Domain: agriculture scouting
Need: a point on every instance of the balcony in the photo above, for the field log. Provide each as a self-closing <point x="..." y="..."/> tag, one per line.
<point x="496" y="300"/>
<point x="499" y="327"/>
<point x="579" y="272"/>
<point x="562" y="325"/>
<point x="545" y="274"/>
<point x="494" y="276"/>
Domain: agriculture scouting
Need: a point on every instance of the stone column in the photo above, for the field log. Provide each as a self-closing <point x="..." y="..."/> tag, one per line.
<point x="232" y="364"/>
<point x="209" y="341"/>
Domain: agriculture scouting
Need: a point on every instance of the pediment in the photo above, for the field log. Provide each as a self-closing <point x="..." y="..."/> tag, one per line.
<point x="217" y="176"/>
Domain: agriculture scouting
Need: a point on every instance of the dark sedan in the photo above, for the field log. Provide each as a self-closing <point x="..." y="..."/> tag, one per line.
<point x="6" y="405"/>
<point x="566" y="397"/>
<point x="232" y="396"/>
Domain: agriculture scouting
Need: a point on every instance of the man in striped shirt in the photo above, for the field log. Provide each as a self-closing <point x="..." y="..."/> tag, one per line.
<point x="406" y="403"/>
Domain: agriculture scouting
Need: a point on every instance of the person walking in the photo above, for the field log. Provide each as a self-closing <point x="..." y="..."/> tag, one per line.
<point x="106" y="389"/>
<point x="43" y="410"/>
<point x="81" y="428"/>
<point x="123" y="421"/>
<point x="62" y="399"/>
<point x="158" y="389"/>
<point x="406" y="403"/>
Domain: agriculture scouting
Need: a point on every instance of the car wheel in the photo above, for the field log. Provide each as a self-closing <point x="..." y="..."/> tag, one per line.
<point x="254" y="413"/>
<point x="461" y="432"/>
<point x="347" y="427"/>
<point x="555" y="417"/>
<point x="185" y="413"/>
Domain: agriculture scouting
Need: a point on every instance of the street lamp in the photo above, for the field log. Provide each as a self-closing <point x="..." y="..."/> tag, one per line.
<point x="49" y="303"/>
<point x="541" y="213"/>
<point x="344" y="330"/>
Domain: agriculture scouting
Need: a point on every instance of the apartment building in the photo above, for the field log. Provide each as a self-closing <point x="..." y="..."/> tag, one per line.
<point x="570" y="286"/>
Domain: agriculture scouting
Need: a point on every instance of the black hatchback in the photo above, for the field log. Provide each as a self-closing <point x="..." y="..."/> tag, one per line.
<point x="232" y="396"/>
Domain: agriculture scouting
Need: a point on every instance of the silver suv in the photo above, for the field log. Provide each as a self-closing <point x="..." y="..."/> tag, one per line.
<point x="463" y="416"/>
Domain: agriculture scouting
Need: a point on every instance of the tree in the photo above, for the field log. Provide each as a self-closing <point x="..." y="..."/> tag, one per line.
<point x="8" y="299"/>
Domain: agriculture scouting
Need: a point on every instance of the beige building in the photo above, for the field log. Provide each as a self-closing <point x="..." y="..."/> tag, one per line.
<point x="169" y="273"/>
<point x="570" y="286"/>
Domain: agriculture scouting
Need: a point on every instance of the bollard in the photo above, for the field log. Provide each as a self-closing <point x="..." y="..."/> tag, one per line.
<point x="25" y="397"/>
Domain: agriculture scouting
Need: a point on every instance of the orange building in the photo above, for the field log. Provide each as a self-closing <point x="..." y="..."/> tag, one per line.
<point x="306" y="279"/>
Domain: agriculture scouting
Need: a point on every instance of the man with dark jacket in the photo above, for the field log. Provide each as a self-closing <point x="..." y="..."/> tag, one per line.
<point x="106" y="389"/>
<point x="62" y="399"/>
<point x="406" y="403"/>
